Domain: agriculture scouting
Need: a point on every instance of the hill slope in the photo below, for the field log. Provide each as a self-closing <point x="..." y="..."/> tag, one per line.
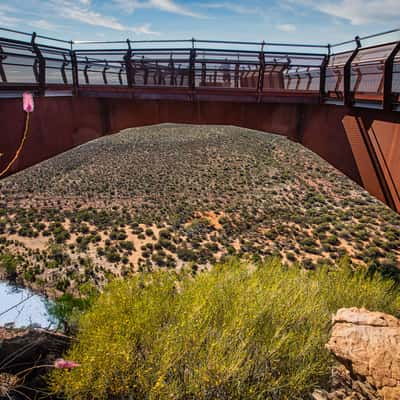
<point x="169" y="195"/>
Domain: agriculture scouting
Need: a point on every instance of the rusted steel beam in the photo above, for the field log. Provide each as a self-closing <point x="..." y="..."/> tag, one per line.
<point x="376" y="164"/>
<point x="388" y="79"/>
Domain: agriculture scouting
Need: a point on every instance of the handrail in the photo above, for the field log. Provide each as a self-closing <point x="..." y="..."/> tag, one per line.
<point x="193" y="40"/>
<point x="366" y="37"/>
<point x="196" y="66"/>
<point x="38" y="36"/>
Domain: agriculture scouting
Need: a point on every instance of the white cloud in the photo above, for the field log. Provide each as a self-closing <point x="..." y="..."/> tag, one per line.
<point x="286" y="27"/>
<point x="43" y="24"/>
<point x="92" y="18"/>
<point x="5" y="18"/>
<point x="363" y="11"/>
<point x="66" y="9"/>
<point x="145" y="29"/>
<point x="162" y="5"/>
<point x="232" y="7"/>
<point x="8" y="20"/>
<point x="356" y="11"/>
<point x="7" y="8"/>
<point x="171" y="6"/>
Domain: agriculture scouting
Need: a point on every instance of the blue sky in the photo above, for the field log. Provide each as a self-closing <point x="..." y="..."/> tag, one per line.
<point x="312" y="21"/>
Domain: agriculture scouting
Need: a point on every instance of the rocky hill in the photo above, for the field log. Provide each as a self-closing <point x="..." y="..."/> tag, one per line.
<point x="174" y="196"/>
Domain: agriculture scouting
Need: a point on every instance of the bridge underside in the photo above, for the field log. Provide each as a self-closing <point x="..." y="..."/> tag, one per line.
<point x="362" y="143"/>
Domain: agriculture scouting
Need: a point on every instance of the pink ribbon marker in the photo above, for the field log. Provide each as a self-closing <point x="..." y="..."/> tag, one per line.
<point x="65" y="364"/>
<point x="28" y="104"/>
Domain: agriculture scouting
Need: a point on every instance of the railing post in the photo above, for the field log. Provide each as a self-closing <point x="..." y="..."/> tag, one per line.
<point x="75" y="74"/>
<point x="261" y="70"/>
<point x="128" y="65"/>
<point x="171" y="66"/>
<point x="203" y="73"/>
<point x="121" y="70"/>
<point x="322" y="77"/>
<point x="85" y="72"/>
<point x="309" y="75"/>
<point x="237" y="73"/>
<point x="348" y="100"/>
<point x="298" y="78"/>
<point x="2" y="71"/>
<point x="104" y="73"/>
<point x="388" y="79"/>
<point x="41" y="78"/>
<point x="63" y="73"/>
<point x="192" y="66"/>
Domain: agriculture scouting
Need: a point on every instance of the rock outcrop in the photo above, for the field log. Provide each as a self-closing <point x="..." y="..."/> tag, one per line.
<point x="368" y="345"/>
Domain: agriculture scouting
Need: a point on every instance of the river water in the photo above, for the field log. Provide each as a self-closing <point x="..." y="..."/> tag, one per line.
<point x="32" y="310"/>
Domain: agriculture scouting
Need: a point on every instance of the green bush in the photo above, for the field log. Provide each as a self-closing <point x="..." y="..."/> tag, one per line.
<point x="232" y="333"/>
<point x="9" y="263"/>
<point x="67" y="308"/>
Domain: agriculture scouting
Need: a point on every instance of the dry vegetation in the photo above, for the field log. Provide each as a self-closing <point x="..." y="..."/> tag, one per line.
<point x="231" y="333"/>
<point x="172" y="196"/>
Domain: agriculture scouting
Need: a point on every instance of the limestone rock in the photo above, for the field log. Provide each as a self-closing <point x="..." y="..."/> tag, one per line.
<point x="368" y="344"/>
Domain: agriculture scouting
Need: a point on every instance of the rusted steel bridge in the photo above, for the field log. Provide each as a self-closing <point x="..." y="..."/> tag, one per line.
<point x="342" y="101"/>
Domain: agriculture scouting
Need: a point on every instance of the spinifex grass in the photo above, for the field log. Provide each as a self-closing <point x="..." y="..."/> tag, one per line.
<point x="237" y="332"/>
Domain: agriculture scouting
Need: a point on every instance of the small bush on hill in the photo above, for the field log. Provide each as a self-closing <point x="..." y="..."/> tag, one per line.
<point x="9" y="263"/>
<point x="235" y="332"/>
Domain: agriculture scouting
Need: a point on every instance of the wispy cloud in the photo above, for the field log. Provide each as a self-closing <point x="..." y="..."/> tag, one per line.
<point x="363" y="11"/>
<point x="91" y="18"/>
<point x="42" y="24"/>
<point x="357" y="12"/>
<point x="84" y="14"/>
<point x="286" y="27"/>
<point x="7" y="8"/>
<point x="145" y="29"/>
<point x="8" y="20"/>
<point x="232" y="7"/>
<point x="162" y="5"/>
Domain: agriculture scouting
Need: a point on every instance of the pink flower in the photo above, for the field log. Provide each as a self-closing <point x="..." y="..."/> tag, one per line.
<point x="28" y="104"/>
<point x="64" y="364"/>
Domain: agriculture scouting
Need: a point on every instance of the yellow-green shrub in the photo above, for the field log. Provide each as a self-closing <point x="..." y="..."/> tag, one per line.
<point x="237" y="332"/>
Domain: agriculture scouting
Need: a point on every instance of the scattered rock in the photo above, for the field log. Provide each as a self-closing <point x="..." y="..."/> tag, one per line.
<point x="346" y="387"/>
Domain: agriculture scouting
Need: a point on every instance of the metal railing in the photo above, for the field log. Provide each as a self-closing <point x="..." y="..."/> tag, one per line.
<point x="362" y="76"/>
